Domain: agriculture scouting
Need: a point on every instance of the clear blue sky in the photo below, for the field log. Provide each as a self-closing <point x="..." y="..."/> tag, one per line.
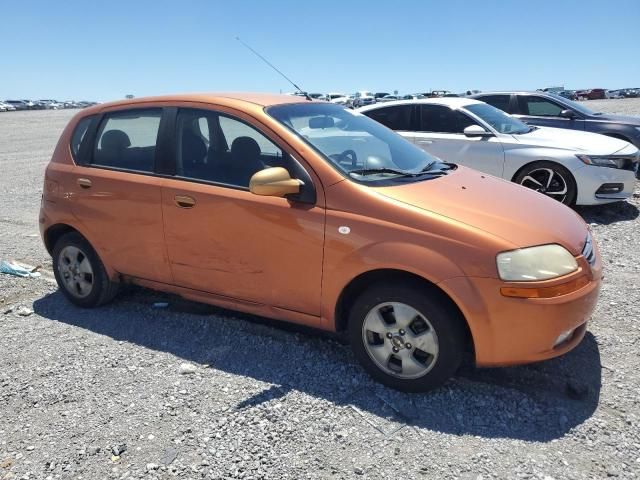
<point x="103" y="50"/>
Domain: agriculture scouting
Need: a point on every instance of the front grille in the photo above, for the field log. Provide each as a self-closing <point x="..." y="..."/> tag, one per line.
<point x="588" y="251"/>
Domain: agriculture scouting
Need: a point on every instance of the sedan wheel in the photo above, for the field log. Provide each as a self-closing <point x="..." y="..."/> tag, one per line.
<point x="550" y="179"/>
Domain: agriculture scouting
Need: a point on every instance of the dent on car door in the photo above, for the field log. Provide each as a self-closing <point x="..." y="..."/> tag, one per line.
<point x="223" y="239"/>
<point x="117" y="197"/>
<point x="442" y="134"/>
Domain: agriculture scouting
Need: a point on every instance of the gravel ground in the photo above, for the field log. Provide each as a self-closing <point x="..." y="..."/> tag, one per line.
<point x="129" y="391"/>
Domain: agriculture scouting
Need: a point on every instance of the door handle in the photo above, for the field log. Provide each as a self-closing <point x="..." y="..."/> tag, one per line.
<point x="84" y="182"/>
<point x="184" y="201"/>
<point x="425" y="142"/>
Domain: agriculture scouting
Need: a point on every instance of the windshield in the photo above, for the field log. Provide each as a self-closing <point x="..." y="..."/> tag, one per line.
<point x="355" y="144"/>
<point x="574" y="105"/>
<point x="498" y="120"/>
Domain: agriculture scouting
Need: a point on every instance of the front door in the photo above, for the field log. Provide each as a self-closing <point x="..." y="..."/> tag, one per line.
<point x="541" y="111"/>
<point x="225" y="240"/>
<point x="117" y="197"/>
<point x="440" y="133"/>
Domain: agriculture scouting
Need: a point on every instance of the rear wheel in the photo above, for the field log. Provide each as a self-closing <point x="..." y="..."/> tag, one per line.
<point x="549" y="178"/>
<point x="79" y="272"/>
<point x="405" y="337"/>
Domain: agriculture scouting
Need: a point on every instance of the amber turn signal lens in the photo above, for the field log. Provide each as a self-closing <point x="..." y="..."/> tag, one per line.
<point x="546" y="292"/>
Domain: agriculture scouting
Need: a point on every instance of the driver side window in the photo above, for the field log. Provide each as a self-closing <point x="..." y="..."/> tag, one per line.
<point x="217" y="148"/>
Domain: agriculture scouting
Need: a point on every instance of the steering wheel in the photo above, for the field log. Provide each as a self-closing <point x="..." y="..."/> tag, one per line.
<point x="346" y="156"/>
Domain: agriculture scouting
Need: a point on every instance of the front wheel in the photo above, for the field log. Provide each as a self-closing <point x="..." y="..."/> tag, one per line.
<point x="405" y="337"/>
<point x="549" y="178"/>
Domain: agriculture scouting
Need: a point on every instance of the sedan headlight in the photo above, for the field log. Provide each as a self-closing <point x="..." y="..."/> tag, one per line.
<point x="535" y="263"/>
<point x="611" y="162"/>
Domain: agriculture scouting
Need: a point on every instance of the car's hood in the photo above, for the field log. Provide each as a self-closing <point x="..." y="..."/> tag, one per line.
<point x="628" y="119"/>
<point x="504" y="209"/>
<point x="575" y="140"/>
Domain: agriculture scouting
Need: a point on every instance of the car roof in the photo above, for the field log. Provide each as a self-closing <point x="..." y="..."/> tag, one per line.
<point x="261" y="99"/>
<point x="453" y="102"/>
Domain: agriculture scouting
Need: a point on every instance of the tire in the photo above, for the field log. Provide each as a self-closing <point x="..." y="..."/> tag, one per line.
<point x="409" y="368"/>
<point x="549" y="178"/>
<point x="80" y="274"/>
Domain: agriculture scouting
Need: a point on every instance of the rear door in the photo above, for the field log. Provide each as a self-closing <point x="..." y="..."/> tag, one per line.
<point x="400" y="118"/>
<point x="116" y="194"/>
<point x="441" y="133"/>
<point x="541" y="111"/>
<point x="225" y="240"/>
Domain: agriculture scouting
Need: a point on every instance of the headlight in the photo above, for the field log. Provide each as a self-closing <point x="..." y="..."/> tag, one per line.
<point x="535" y="263"/>
<point x="602" y="161"/>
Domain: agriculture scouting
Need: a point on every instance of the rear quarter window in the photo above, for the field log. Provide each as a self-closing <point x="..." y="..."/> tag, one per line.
<point x="79" y="133"/>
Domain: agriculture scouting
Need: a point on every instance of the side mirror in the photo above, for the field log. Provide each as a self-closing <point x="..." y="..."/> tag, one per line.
<point x="568" y="114"/>
<point x="274" y="182"/>
<point x="476" y="131"/>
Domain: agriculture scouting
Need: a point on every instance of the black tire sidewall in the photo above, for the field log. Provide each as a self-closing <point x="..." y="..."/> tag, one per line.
<point x="444" y="319"/>
<point x="99" y="275"/>
<point x="572" y="189"/>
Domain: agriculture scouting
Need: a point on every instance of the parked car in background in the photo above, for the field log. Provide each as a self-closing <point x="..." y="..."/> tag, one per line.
<point x="548" y="110"/>
<point x="339" y="98"/>
<point x="318" y="96"/>
<point x="571" y="167"/>
<point x="631" y="92"/>
<point x="568" y="94"/>
<point x="389" y="98"/>
<point x="363" y="98"/>
<point x="3" y="107"/>
<point x="7" y="107"/>
<point x="360" y="232"/>
<point x="415" y="96"/>
<point x="591" y="94"/>
<point x="18" y="104"/>
<point x="379" y="95"/>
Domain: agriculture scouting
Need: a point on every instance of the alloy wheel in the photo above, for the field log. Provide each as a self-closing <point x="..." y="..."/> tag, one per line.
<point x="400" y="340"/>
<point x="547" y="181"/>
<point x="76" y="271"/>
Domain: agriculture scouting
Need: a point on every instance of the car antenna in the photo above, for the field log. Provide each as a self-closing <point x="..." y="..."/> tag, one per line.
<point x="307" y="96"/>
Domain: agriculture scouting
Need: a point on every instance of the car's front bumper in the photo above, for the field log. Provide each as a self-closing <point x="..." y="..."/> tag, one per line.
<point x="511" y="331"/>
<point x="589" y="179"/>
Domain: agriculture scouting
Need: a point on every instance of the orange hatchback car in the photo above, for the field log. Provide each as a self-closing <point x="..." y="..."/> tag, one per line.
<point x="312" y="213"/>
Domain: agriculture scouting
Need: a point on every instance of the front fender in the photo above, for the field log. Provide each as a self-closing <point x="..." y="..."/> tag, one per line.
<point x="341" y="268"/>
<point x="516" y="158"/>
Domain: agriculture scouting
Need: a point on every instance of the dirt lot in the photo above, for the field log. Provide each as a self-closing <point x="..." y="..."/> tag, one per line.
<point x="106" y="393"/>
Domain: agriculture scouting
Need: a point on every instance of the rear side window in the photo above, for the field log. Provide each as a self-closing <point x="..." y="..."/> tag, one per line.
<point x="127" y="140"/>
<point x="538" y="106"/>
<point x="397" y="117"/>
<point x="78" y="135"/>
<point x="441" y="119"/>
<point x="499" y="101"/>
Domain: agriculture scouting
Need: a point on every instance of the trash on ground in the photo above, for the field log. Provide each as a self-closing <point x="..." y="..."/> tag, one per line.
<point x="24" y="311"/>
<point x="19" y="270"/>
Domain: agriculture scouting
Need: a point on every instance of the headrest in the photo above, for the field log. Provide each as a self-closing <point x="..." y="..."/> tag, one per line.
<point x="115" y="140"/>
<point x="245" y="147"/>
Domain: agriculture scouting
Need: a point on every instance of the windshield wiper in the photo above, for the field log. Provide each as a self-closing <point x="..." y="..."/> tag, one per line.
<point x="402" y="173"/>
<point x="373" y="171"/>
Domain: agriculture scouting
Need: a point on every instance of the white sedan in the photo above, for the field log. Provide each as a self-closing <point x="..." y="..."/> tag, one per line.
<point x="571" y="166"/>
